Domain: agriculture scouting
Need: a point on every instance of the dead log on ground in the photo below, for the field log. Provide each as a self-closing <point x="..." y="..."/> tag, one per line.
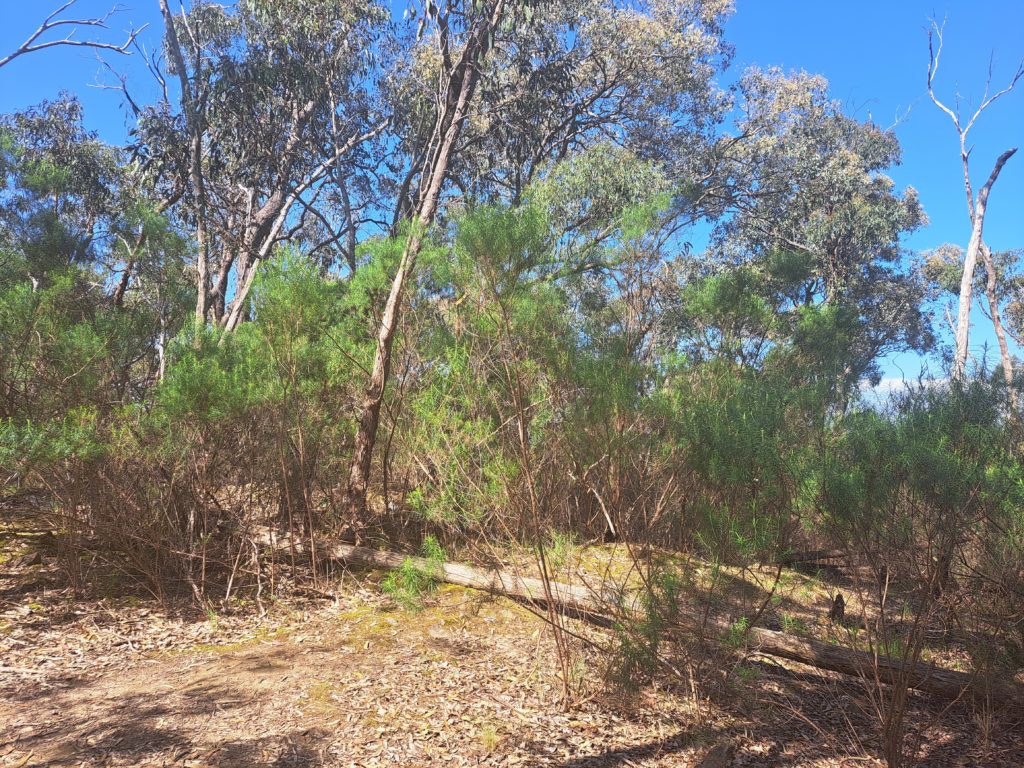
<point x="583" y="602"/>
<point x="810" y="556"/>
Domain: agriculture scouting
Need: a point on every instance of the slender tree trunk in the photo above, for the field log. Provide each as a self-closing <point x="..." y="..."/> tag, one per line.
<point x="963" y="315"/>
<point x="992" y="294"/>
<point x="195" y="161"/>
<point x="122" y="285"/>
<point x="117" y="299"/>
<point x="974" y="247"/>
<point x="455" y="92"/>
<point x="350" y="227"/>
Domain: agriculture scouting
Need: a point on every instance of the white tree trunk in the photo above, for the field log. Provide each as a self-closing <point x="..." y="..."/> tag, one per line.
<point x="963" y="319"/>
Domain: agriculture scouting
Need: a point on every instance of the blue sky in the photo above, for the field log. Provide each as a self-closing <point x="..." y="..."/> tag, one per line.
<point x="874" y="53"/>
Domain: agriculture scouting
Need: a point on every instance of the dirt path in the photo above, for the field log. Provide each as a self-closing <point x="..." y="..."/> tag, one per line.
<point x="465" y="682"/>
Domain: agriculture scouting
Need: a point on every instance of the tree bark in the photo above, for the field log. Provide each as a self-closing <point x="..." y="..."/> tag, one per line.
<point x="455" y="94"/>
<point x="188" y="102"/>
<point x="583" y="602"/>
<point x="963" y="319"/>
<point x="991" y="292"/>
<point x="811" y="556"/>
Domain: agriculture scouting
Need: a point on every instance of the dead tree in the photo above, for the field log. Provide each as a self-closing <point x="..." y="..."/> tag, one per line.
<point x="976" y="208"/>
<point x="34" y="42"/>
<point x="590" y="604"/>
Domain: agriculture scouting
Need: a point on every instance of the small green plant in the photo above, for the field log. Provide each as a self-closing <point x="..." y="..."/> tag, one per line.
<point x="211" y="615"/>
<point x="737" y="633"/>
<point x="894" y="647"/>
<point x="561" y="547"/>
<point x="639" y="638"/>
<point x="413" y="579"/>
<point x="793" y="625"/>
<point x="747" y="674"/>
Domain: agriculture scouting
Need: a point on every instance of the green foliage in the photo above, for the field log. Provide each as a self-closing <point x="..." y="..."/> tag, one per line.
<point x="408" y="585"/>
<point x="62" y="346"/>
<point x="736" y="635"/>
<point x="560" y="548"/>
<point x="606" y="185"/>
<point x="563" y="358"/>
<point x="747" y="435"/>
<point x="640" y="637"/>
<point x="63" y="185"/>
<point x="291" y="350"/>
<point x="794" y="625"/>
<point x="505" y="312"/>
<point x="946" y="447"/>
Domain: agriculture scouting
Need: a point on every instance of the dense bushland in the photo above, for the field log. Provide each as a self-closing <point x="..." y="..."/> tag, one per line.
<point x="434" y="247"/>
<point x="518" y="379"/>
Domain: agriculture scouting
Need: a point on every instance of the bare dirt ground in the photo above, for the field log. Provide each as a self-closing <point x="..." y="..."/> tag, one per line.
<point x="348" y="679"/>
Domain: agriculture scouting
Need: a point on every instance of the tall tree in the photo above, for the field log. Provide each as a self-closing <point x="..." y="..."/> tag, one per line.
<point x="275" y="103"/>
<point x="808" y="206"/>
<point x="69" y="195"/>
<point x="464" y="33"/>
<point x="977" y="207"/>
<point x="583" y="72"/>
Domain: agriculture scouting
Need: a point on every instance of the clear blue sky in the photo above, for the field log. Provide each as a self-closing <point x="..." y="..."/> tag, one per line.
<point x="874" y="53"/>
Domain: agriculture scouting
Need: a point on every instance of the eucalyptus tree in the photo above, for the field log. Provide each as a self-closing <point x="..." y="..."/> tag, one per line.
<point x="66" y="193"/>
<point x="1001" y="284"/>
<point x="463" y="33"/>
<point x="275" y="99"/>
<point x="807" y="204"/>
<point x="580" y="73"/>
<point x="539" y="83"/>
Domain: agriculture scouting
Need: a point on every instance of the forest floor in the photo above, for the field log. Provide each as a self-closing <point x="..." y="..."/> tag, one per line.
<point x="343" y="677"/>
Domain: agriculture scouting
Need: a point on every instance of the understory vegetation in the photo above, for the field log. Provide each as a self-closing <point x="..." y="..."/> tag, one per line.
<point x="191" y="324"/>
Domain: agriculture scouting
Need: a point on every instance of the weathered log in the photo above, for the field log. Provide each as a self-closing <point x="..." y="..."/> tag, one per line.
<point x="585" y="602"/>
<point x="810" y="556"/>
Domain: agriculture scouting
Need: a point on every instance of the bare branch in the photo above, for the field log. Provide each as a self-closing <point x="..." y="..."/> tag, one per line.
<point x="33" y="44"/>
<point x="987" y="100"/>
<point x="122" y="86"/>
<point x="996" y="169"/>
<point x="934" y="52"/>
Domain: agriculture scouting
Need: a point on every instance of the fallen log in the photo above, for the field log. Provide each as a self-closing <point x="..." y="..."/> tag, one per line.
<point x="583" y="602"/>
<point x="810" y="556"/>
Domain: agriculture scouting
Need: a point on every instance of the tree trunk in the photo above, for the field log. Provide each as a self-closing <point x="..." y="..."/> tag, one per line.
<point x="195" y="161"/>
<point x="810" y="556"/>
<point x="963" y="319"/>
<point x="455" y="96"/>
<point x="992" y="294"/>
<point x="583" y="602"/>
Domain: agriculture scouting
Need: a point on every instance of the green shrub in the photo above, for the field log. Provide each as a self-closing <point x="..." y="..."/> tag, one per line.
<point x="408" y="585"/>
